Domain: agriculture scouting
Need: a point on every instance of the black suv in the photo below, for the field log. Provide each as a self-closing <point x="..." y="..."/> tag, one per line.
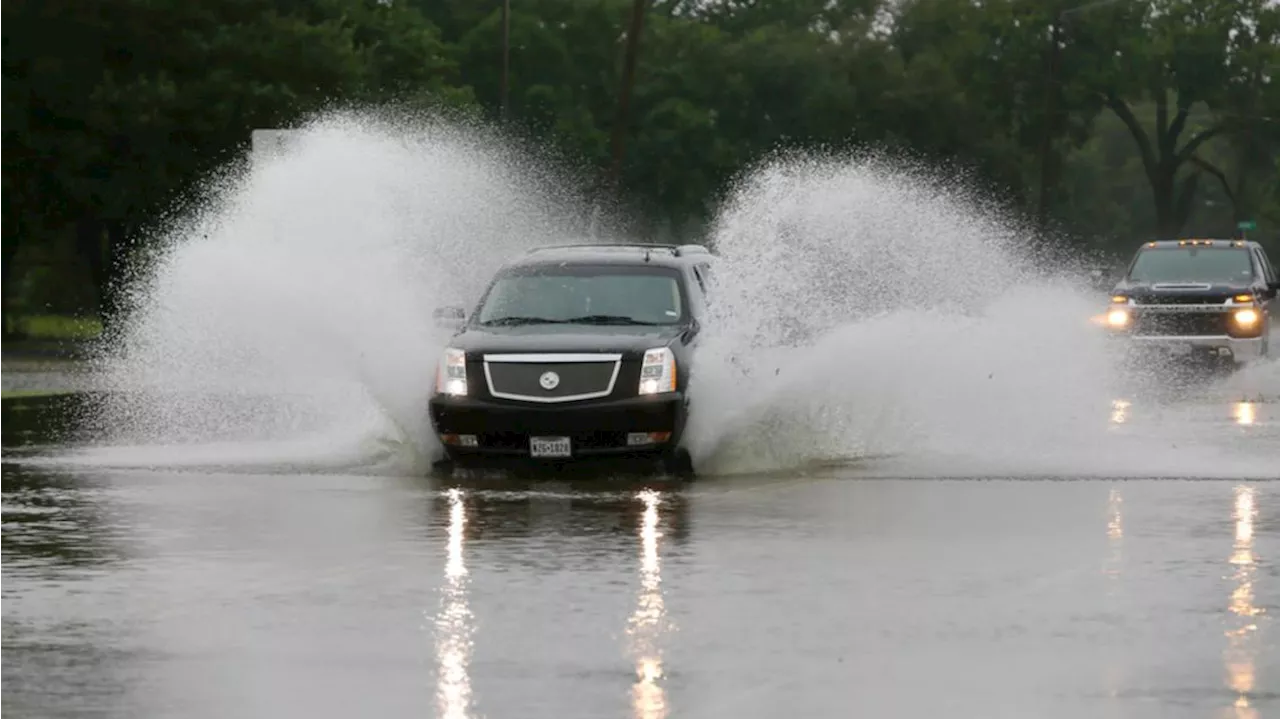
<point x="575" y="352"/>
<point x="1216" y="297"/>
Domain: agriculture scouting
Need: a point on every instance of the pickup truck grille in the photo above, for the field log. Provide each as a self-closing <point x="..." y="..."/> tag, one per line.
<point x="1184" y="324"/>
<point x="576" y="377"/>
<point x="1168" y="299"/>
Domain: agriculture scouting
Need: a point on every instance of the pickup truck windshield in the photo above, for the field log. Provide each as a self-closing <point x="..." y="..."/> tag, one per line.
<point x="1192" y="264"/>
<point x="607" y="296"/>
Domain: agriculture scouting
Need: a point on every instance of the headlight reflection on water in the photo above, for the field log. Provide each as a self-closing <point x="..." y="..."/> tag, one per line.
<point x="1116" y="675"/>
<point x="648" y="698"/>
<point x="453" y="623"/>
<point x="1246" y="413"/>
<point x="1242" y="637"/>
<point x="1119" y="411"/>
<point x="1115" y="531"/>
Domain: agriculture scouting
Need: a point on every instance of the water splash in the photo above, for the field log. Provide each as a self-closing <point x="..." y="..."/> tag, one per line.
<point x="865" y="308"/>
<point x="300" y="298"/>
<point x="868" y="308"/>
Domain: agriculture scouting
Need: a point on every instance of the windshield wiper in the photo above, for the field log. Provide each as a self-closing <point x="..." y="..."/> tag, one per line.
<point x="607" y="320"/>
<point x="513" y="321"/>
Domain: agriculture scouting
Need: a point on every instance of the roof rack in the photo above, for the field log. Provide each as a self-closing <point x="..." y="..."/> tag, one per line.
<point x="692" y="250"/>
<point x="1197" y="242"/>
<point x="675" y="250"/>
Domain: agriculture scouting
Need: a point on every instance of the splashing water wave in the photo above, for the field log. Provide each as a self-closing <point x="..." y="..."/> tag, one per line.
<point x="866" y="310"/>
<point x="299" y="303"/>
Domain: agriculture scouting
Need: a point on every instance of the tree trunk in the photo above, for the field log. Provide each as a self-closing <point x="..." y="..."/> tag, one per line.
<point x="1047" y="160"/>
<point x="1162" y="197"/>
<point x="621" y="121"/>
<point x="91" y="243"/>
<point x="15" y="233"/>
<point x="1163" y="159"/>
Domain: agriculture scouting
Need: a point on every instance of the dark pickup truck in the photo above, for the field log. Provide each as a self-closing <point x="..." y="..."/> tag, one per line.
<point x="1209" y="297"/>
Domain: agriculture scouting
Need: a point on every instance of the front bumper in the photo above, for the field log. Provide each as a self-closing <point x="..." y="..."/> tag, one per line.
<point x="500" y="429"/>
<point x="1238" y="348"/>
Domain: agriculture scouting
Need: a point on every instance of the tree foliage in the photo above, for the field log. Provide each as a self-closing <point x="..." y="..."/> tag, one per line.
<point x="1138" y="118"/>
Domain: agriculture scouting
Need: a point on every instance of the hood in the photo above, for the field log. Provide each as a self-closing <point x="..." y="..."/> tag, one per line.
<point x="1181" y="291"/>
<point x="564" y="338"/>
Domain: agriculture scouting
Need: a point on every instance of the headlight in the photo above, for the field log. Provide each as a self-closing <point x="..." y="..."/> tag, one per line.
<point x="1246" y="318"/>
<point x="1118" y="318"/>
<point x="451" y="375"/>
<point x="658" y="373"/>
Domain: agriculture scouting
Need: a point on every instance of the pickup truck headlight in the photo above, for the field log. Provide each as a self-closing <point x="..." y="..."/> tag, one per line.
<point x="451" y="375"/>
<point x="658" y="373"/>
<point x="1246" y="318"/>
<point x="1118" y="318"/>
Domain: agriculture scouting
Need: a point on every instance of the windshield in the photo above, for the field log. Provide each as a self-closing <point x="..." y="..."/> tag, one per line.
<point x="621" y="296"/>
<point x="1192" y="264"/>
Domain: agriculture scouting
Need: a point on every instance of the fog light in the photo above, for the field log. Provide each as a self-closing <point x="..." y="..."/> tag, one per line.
<point x="1118" y="318"/>
<point x="460" y="440"/>
<point x="640" y="439"/>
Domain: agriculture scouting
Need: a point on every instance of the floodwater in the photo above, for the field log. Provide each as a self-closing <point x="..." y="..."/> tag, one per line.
<point x="840" y="591"/>
<point x="918" y="504"/>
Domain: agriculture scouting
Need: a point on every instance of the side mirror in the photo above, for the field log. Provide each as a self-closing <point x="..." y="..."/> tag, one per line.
<point x="692" y="330"/>
<point x="449" y="317"/>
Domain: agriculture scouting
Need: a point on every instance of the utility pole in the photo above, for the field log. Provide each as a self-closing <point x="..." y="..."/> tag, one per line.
<point x="1050" y="116"/>
<point x="624" y="96"/>
<point x="504" y="85"/>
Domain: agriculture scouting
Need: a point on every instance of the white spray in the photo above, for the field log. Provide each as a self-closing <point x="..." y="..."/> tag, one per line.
<point x="299" y="305"/>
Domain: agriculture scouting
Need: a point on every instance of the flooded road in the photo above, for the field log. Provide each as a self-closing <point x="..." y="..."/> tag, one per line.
<point x="132" y="593"/>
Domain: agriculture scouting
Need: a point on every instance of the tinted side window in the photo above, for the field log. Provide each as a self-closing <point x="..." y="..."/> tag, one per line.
<point x="1268" y="269"/>
<point x="702" y="273"/>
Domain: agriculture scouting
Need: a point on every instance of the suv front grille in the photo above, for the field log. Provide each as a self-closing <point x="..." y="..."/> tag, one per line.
<point x="551" y="377"/>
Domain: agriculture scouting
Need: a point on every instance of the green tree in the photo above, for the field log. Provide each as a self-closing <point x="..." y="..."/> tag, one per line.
<point x="115" y="110"/>
<point x="1180" y="55"/>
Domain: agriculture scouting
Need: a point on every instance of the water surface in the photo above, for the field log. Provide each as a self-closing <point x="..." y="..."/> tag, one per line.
<point x="195" y="593"/>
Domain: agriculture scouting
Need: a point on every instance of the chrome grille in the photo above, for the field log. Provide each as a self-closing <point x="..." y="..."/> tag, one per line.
<point x="576" y="376"/>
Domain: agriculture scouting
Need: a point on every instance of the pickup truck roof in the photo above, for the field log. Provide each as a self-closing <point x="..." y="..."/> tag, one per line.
<point x="622" y="254"/>
<point x="1158" y="244"/>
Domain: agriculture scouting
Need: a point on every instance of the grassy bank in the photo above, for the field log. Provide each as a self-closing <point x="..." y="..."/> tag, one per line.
<point x="37" y="328"/>
<point x="52" y="336"/>
<point x="34" y="393"/>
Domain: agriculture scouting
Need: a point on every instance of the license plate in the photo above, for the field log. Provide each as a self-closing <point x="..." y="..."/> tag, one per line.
<point x="549" y="446"/>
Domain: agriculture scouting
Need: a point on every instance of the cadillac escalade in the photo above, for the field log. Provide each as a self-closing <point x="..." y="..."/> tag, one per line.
<point x="575" y="353"/>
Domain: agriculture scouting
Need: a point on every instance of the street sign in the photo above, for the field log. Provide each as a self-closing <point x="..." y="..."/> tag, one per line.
<point x="1247" y="225"/>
